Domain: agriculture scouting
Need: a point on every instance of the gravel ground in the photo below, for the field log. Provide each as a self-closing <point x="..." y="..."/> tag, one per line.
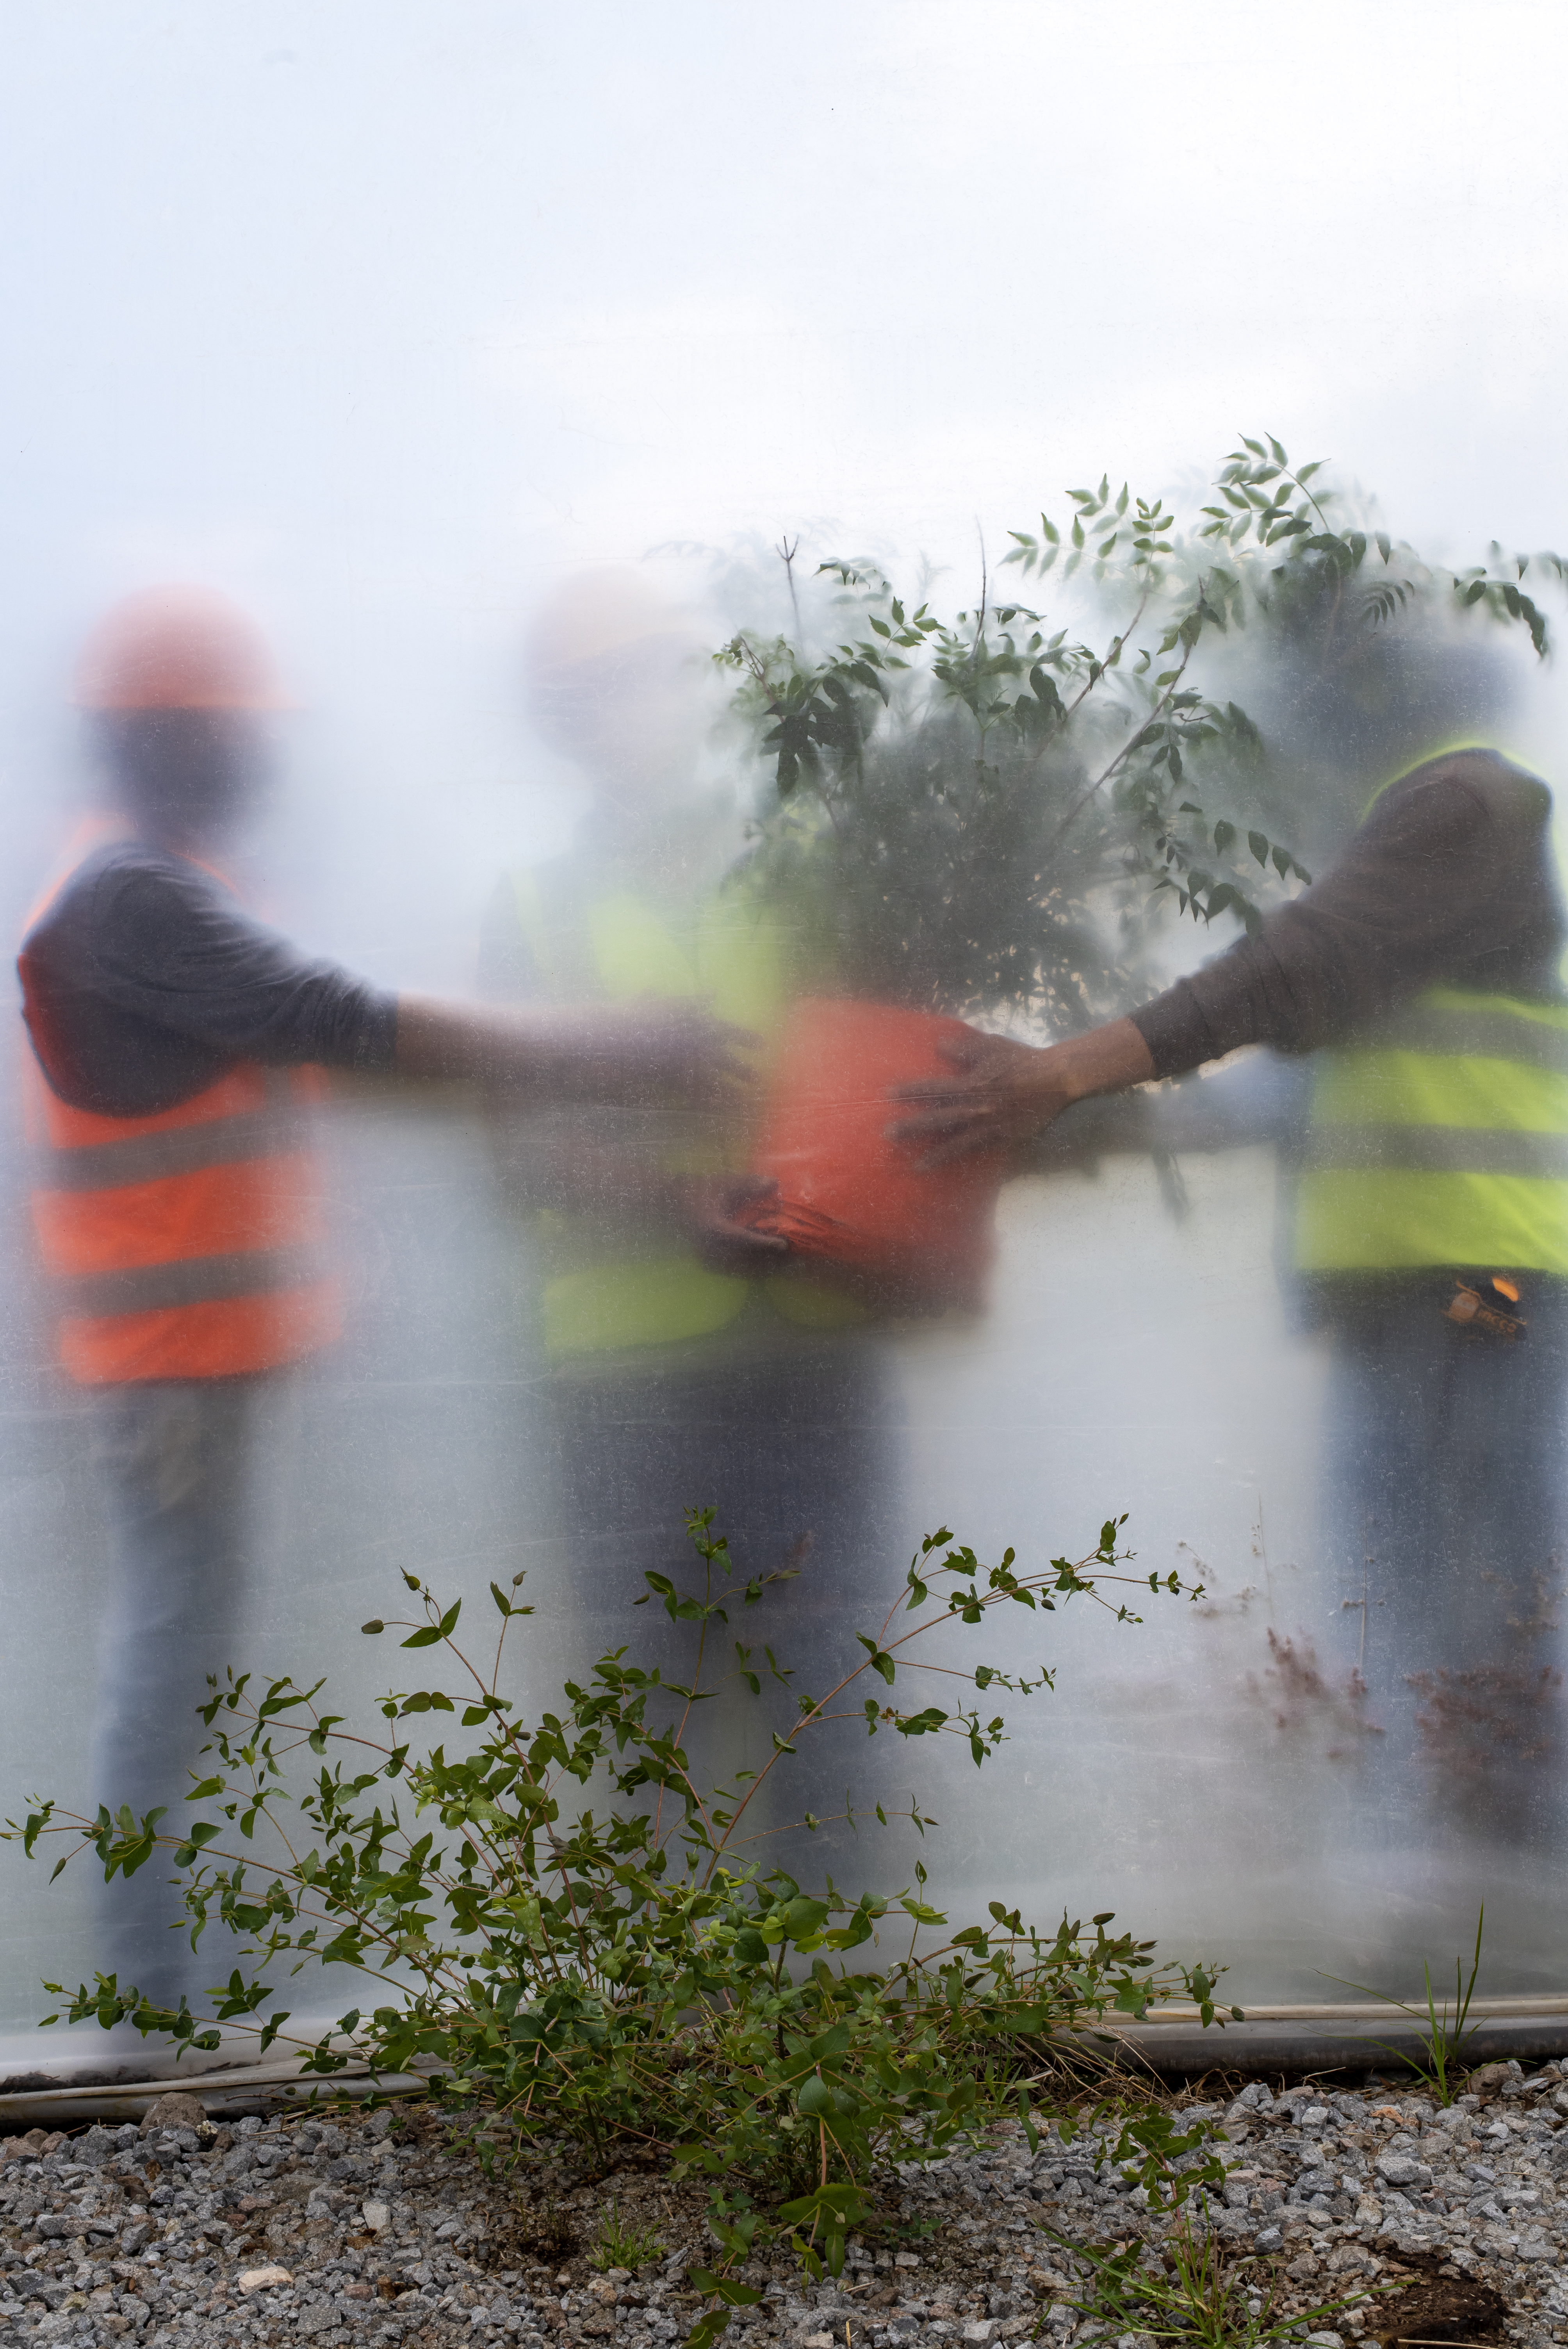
<point x="384" y="2229"/>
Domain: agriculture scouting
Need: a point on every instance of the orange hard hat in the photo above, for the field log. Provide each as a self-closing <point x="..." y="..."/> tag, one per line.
<point x="177" y="648"/>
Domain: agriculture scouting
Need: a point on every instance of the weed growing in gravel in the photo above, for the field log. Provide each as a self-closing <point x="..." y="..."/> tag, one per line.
<point x="630" y="1976"/>
<point x="1195" y="2290"/>
<point x="621" y="2245"/>
<point x="1440" y="2030"/>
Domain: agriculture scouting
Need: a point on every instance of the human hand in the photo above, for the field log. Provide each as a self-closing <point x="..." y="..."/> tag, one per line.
<point x="713" y="1208"/>
<point x="998" y="1095"/>
<point x="1002" y="1092"/>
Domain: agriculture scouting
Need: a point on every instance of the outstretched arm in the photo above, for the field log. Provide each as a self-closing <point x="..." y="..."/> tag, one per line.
<point x="636" y="1055"/>
<point x="1449" y="873"/>
<point x="1001" y="1093"/>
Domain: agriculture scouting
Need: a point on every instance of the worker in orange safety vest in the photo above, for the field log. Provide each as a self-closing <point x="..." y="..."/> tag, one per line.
<point x="177" y="1047"/>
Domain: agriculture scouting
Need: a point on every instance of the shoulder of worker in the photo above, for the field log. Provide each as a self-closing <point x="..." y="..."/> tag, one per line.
<point x="135" y="865"/>
<point x="115" y="877"/>
<point x="144" y="898"/>
<point x="134" y="915"/>
<point x="1458" y="795"/>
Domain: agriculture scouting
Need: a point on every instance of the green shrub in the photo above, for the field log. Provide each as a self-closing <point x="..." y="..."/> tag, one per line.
<point x="625" y="1975"/>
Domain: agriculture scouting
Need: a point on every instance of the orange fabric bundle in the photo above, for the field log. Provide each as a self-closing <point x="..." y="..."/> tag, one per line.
<point x="848" y="1196"/>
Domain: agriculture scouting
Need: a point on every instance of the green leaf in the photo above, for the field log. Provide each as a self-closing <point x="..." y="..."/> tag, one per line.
<point x="733" y="2293"/>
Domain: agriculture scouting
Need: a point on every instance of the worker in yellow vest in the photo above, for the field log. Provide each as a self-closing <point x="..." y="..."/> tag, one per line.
<point x="1431" y="1235"/>
<point x="176" y="1044"/>
<point x="688" y="1363"/>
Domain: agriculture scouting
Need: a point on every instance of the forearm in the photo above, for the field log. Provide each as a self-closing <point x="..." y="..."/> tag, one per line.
<point x="437" y="1039"/>
<point x="1109" y="1060"/>
<point x="1106" y="1060"/>
<point x="639" y="1054"/>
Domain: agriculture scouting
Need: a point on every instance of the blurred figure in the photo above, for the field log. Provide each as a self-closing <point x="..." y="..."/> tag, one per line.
<point x="1429" y="1237"/>
<point x="689" y="1363"/>
<point x="177" y="1046"/>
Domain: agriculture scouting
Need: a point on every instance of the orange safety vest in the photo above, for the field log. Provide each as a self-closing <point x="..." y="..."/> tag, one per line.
<point x="189" y="1245"/>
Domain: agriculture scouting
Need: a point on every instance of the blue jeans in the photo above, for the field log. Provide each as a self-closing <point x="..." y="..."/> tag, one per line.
<point x="1447" y="1515"/>
<point x="796" y="1447"/>
<point x="176" y="1456"/>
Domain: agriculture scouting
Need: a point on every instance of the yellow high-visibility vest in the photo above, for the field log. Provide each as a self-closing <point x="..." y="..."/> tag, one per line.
<point x="1441" y="1136"/>
<point x="736" y="954"/>
<point x="1442" y="1139"/>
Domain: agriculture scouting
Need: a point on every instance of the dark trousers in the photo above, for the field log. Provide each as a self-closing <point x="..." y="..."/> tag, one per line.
<point x="793" y="1447"/>
<point x="176" y="1456"/>
<point x="1446" y="1517"/>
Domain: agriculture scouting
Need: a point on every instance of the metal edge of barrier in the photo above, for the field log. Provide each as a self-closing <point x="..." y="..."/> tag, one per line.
<point x="1312" y="2042"/>
<point x="225" y="2094"/>
<point x="109" y="2085"/>
<point x="1172" y="2042"/>
<point x="32" y="2063"/>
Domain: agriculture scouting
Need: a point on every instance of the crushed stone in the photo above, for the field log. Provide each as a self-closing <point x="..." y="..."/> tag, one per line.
<point x="385" y="2228"/>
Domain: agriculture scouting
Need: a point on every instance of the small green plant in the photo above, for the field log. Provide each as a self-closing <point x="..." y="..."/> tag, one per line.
<point x="619" y="2244"/>
<point x="628" y="1975"/>
<point x="1440" y="2030"/>
<point x="1193" y="2289"/>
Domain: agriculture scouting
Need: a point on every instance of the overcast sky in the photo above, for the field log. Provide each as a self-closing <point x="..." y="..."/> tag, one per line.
<point x="377" y="312"/>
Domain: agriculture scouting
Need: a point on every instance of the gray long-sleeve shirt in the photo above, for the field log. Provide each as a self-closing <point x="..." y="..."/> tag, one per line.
<point x="1451" y="878"/>
<point x="144" y="980"/>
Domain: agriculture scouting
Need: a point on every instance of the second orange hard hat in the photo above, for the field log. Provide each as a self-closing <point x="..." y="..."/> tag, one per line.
<point x="177" y="648"/>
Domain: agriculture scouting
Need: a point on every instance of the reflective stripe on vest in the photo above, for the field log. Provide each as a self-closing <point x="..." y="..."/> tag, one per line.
<point x="735" y="957"/>
<point x="187" y="1244"/>
<point x="1441" y="1140"/>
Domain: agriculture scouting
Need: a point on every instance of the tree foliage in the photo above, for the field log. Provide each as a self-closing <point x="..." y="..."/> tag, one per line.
<point x="987" y="811"/>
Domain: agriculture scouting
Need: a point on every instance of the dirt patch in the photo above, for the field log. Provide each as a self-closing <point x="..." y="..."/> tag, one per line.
<point x="534" y="2231"/>
<point x="1434" y="2307"/>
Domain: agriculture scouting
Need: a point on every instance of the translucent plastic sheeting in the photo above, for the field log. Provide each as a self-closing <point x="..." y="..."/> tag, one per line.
<point x="1204" y="1773"/>
<point x="386" y="320"/>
